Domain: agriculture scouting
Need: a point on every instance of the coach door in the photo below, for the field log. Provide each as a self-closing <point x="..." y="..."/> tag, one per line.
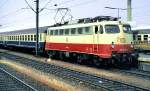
<point x="96" y="39"/>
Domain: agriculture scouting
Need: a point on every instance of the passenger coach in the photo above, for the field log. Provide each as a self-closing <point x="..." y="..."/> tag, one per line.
<point x="142" y="39"/>
<point x="24" y="38"/>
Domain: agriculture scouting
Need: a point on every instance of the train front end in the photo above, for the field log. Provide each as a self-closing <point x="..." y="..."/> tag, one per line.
<point x="121" y="48"/>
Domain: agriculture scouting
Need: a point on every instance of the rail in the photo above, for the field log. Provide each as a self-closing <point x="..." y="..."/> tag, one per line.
<point x="18" y="80"/>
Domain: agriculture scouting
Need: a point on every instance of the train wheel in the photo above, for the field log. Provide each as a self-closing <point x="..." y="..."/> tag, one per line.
<point x="110" y="62"/>
<point x="135" y="62"/>
<point x="97" y="61"/>
<point x="61" y="56"/>
<point x="79" y="59"/>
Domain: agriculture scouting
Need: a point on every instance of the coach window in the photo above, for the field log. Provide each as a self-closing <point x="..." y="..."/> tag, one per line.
<point x="73" y="31"/>
<point x="80" y="30"/>
<point x="145" y="37"/>
<point x="56" y="32"/>
<point x="20" y="37"/>
<point x="66" y="31"/>
<point x="34" y="37"/>
<point x="101" y="29"/>
<point x="14" y="37"/>
<point x="96" y="29"/>
<point x="61" y="31"/>
<point x="23" y="37"/>
<point x="139" y="37"/>
<point x="17" y="37"/>
<point x="28" y="37"/>
<point x="31" y="37"/>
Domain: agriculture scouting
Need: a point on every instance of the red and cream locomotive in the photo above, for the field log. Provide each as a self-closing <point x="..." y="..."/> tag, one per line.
<point x="101" y="40"/>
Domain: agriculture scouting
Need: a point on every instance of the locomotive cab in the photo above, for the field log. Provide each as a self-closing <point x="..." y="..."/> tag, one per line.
<point x="115" y="41"/>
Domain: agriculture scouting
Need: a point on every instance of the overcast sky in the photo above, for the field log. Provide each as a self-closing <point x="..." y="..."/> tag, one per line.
<point x="13" y="17"/>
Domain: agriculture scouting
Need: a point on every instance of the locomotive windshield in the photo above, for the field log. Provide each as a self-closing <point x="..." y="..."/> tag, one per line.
<point x="127" y="29"/>
<point x="112" y="29"/>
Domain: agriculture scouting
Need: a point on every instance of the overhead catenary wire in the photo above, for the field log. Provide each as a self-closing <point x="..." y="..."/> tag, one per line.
<point x="45" y="6"/>
<point x="29" y="6"/>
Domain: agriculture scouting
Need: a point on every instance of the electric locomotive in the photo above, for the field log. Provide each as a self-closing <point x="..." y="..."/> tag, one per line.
<point x="102" y="40"/>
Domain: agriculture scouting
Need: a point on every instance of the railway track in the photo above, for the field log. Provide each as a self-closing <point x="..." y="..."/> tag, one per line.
<point x="89" y="80"/>
<point x="26" y="79"/>
<point x="9" y="82"/>
<point x="137" y="73"/>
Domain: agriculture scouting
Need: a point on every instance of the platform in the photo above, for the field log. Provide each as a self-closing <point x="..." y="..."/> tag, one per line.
<point x="144" y="62"/>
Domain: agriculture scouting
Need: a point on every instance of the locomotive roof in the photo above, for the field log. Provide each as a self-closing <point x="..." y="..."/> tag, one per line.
<point x="142" y="31"/>
<point x="26" y="31"/>
<point x="85" y="24"/>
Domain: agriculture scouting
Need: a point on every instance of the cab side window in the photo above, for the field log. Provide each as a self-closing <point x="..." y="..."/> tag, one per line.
<point x="96" y="29"/>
